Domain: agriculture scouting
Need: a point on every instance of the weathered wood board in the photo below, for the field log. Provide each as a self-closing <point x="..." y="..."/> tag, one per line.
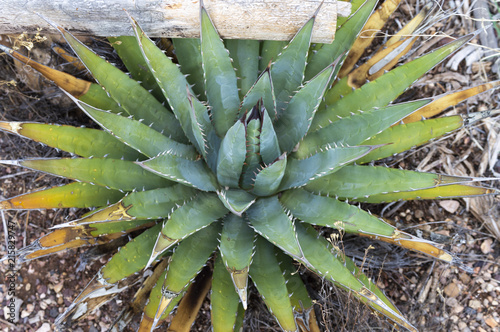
<point x="244" y="19"/>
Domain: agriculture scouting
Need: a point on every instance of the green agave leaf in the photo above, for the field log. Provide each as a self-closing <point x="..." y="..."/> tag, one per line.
<point x="262" y="90"/>
<point x="232" y="154"/>
<point x="344" y="38"/>
<point x="287" y="71"/>
<point x="137" y="135"/>
<point x="147" y="322"/>
<point x="196" y="214"/>
<point x="403" y="137"/>
<point x="188" y="51"/>
<point x="191" y="114"/>
<point x="235" y="200"/>
<point x="253" y="158"/>
<point x="386" y="88"/>
<point x="302" y="304"/>
<point x="270" y="50"/>
<point x="269" y="280"/>
<point x="301" y="171"/>
<point x="141" y="297"/>
<point x="158" y="203"/>
<point x="269" y="145"/>
<point x="190" y="256"/>
<point x="327" y="211"/>
<point x="186" y="262"/>
<point x="268" y="180"/>
<point x="73" y="195"/>
<point x="130" y="259"/>
<point x="268" y="219"/>
<point x="128" y="93"/>
<point x="223" y="299"/>
<point x="236" y="247"/>
<point x="192" y="173"/>
<point x="356" y="181"/>
<point x="356" y="128"/>
<point x="440" y="192"/>
<point x="370" y="285"/>
<point x="113" y="173"/>
<point x="294" y="123"/>
<point x="115" y="227"/>
<point x="245" y="56"/>
<point x="84" y="142"/>
<point x="150" y="204"/>
<point x="130" y="53"/>
<point x="188" y="309"/>
<point x="220" y="78"/>
<point x="333" y="267"/>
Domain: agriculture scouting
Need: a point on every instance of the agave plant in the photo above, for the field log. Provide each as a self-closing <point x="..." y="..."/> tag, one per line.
<point x="231" y="166"/>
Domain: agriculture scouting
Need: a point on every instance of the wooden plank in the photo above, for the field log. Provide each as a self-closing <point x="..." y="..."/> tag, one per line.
<point x="240" y="19"/>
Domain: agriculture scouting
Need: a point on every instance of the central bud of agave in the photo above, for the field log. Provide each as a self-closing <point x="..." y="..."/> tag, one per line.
<point x="249" y="147"/>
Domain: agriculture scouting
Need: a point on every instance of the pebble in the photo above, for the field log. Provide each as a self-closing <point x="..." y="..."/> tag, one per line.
<point x="54" y="312"/>
<point x="475" y="304"/>
<point x="486" y="246"/>
<point x="44" y="328"/>
<point x="58" y="287"/>
<point x="491" y="322"/>
<point x="449" y="205"/>
<point x="452" y="290"/>
<point x="464" y="277"/>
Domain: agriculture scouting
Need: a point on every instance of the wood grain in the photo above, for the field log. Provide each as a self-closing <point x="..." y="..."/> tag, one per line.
<point x="238" y="19"/>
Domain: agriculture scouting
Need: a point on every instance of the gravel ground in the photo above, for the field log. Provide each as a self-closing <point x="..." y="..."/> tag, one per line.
<point x="434" y="296"/>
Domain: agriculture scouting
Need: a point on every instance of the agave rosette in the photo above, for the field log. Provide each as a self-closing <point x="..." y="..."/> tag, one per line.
<point x="233" y="155"/>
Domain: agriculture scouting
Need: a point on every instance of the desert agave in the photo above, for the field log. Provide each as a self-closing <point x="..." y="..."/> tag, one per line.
<point x="234" y="165"/>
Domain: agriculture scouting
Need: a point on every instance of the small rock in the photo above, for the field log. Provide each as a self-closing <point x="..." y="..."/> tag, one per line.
<point x="452" y="290"/>
<point x="54" y="312"/>
<point x="451" y="301"/>
<point x="458" y="309"/>
<point x="491" y="322"/>
<point x="469" y="311"/>
<point x="475" y="304"/>
<point x="44" y="328"/>
<point x="450" y="205"/>
<point x="464" y="277"/>
<point x="486" y="246"/>
<point x="58" y="287"/>
<point x="24" y="314"/>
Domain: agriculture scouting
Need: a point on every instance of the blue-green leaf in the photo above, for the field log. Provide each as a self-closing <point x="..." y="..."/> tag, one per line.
<point x="232" y="154"/>
<point x="220" y="78"/>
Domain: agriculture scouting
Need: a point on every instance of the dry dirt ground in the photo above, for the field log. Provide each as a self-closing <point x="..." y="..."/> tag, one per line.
<point x="434" y="296"/>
